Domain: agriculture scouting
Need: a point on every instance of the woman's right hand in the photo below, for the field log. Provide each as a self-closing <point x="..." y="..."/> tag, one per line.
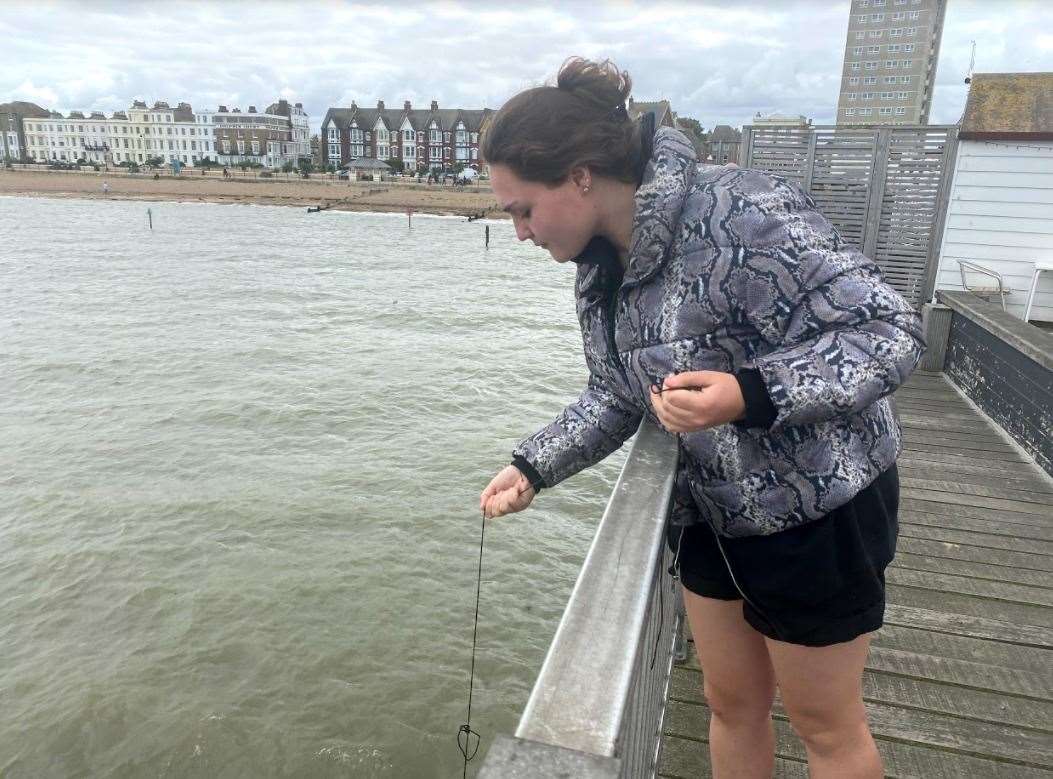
<point x="508" y="492"/>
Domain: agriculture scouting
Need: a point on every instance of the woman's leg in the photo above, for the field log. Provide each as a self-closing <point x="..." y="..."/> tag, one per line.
<point x="822" y="690"/>
<point x="739" y="687"/>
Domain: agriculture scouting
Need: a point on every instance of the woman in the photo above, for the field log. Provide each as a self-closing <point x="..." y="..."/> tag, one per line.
<point x="719" y="302"/>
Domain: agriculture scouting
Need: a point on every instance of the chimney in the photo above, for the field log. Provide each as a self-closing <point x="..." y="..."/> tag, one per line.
<point x="434" y="105"/>
<point x="380" y="105"/>
<point x="407" y="107"/>
<point x="223" y="109"/>
<point x="300" y="106"/>
<point x="252" y="109"/>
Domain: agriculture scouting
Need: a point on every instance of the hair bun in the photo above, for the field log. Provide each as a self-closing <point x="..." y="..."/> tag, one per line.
<point x="599" y="83"/>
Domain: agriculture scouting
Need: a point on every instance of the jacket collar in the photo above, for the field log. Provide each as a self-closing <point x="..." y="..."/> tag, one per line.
<point x="659" y="200"/>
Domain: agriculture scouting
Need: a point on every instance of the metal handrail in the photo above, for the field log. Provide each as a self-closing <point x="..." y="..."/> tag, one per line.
<point x="983" y="292"/>
<point x="600" y="694"/>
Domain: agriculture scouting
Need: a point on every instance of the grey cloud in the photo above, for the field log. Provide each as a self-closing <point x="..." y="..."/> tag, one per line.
<point x="719" y="62"/>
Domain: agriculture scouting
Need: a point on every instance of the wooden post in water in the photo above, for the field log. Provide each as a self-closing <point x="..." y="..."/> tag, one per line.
<point x="150" y="216"/>
<point x="488" y="236"/>
<point x="409" y="218"/>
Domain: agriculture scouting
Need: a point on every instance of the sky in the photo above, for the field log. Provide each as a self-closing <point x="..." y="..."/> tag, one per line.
<point x="718" y="61"/>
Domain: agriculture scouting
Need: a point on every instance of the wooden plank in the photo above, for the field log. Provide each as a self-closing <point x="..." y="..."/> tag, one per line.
<point x="997" y="591"/>
<point x="688" y="758"/>
<point x="1038" y="549"/>
<point x="967" y="466"/>
<point x="977" y="705"/>
<point x="955" y="647"/>
<point x="902" y="758"/>
<point x="1026" y="561"/>
<point x="969" y="606"/>
<point x="997" y="527"/>
<point x="911" y="503"/>
<point x="997" y="504"/>
<point x="963" y="488"/>
<point x="977" y="570"/>
<point x="940" y="448"/>
<point x="938" y="621"/>
<point x="963" y="673"/>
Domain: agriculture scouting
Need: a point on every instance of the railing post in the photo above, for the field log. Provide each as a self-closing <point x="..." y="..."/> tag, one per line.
<point x="746" y="147"/>
<point x="943" y="202"/>
<point x="809" y="162"/>
<point x="878" y="171"/>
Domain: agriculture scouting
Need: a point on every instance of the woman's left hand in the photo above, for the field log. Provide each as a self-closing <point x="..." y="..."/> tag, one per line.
<point x="698" y="400"/>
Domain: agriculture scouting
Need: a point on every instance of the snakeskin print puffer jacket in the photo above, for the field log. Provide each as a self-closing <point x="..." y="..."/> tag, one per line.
<point x="733" y="269"/>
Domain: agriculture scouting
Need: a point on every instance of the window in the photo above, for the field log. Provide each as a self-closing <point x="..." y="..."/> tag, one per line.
<point x="899" y="16"/>
<point x="905" y="79"/>
<point x="915" y="15"/>
<point x="876" y="33"/>
<point x="334" y="135"/>
<point x="886" y="95"/>
<point x="864" y="3"/>
<point x="895" y="32"/>
<point x="879" y="3"/>
<point x="864" y="19"/>
<point x="850" y="112"/>
<point x="868" y="95"/>
<point x="906" y="63"/>
<point x="903" y="95"/>
<point x="860" y="36"/>
<point x="893" y="48"/>
<point x="908" y="47"/>
<point x="854" y="66"/>
<point x="433" y="136"/>
<point x="891" y="79"/>
<point x="382" y="152"/>
<point x="891" y="63"/>
<point x="877" y="17"/>
<point x="407" y="135"/>
<point x="854" y="80"/>
<point x="873" y="49"/>
<point x="911" y="31"/>
<point x="901" y="111"/>
<point x="255" y="147"/>
<point x="870" y="66"/>
<point x="885" y="111"/>
<point x="334" y="151"/>
<point x="475" y="139"/>
<point x="866" y="111"/>
<point x="851" y="96"/>
<point x="857" y="51"/>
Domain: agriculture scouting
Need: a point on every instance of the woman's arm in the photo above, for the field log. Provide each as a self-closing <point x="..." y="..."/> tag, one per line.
<point x="842" y="337"/>
<point x="585" y="432"/>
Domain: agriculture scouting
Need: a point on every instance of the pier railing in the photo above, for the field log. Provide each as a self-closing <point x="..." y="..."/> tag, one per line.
<point x="598" y="703"/>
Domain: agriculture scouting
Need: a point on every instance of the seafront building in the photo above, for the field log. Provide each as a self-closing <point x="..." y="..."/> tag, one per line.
<point x="175" y="134"/>
<point x="890" y="61"/>
<point x="274" y="137"/>
<point x="416" y="140"/>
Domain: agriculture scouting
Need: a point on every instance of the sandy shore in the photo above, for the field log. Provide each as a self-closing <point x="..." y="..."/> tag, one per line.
<point x="192" y="187"/>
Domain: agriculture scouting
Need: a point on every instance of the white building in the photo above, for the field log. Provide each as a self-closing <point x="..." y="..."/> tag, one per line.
<point x="136" y="136"/>
<point x="1000" y="216"/>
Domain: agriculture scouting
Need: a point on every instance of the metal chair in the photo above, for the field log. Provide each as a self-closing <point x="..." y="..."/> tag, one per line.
<point x="1040" y="266"/>
<point x="983" y="292"/>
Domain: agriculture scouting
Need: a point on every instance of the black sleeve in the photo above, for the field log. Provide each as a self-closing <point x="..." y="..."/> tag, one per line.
<point x="760" y="411"/>
<point x="528" y="470"/>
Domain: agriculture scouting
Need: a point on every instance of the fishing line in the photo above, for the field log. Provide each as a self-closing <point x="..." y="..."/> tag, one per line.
<point x="465" y="734"/>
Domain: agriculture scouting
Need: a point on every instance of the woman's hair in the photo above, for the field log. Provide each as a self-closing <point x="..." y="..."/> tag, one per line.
<point x="541" y="133"/>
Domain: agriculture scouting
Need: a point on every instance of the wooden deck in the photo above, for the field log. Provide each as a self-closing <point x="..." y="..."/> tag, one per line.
<point x="960" y="680"/>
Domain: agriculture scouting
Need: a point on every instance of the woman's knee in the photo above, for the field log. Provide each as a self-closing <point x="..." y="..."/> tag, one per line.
<point x="825" y="730"/>
<point x="743" y="702"/>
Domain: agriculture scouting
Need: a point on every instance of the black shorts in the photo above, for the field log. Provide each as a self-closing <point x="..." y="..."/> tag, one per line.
<point x="817" y="584"/>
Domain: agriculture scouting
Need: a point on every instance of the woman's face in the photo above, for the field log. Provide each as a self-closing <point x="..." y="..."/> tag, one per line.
<point x="559" y="219"/>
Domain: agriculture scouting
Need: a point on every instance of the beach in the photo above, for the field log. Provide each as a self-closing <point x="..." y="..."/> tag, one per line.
<point x="318" y="191"/>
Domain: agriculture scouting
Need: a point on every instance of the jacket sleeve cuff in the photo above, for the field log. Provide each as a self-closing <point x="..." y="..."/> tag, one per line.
<point x="536" y="480"/>
<point x="760" y="411"/>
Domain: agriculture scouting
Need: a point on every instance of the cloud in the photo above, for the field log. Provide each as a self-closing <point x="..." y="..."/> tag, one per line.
<point x="719" y="61"/>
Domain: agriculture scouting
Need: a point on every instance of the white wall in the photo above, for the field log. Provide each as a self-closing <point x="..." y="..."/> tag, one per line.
<point x="1000" y="216"/>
